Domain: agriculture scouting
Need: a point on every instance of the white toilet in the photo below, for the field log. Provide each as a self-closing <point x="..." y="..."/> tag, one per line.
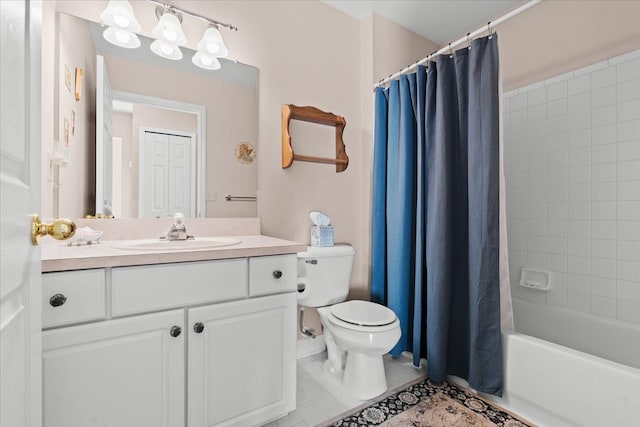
<point x="357" y="333"/>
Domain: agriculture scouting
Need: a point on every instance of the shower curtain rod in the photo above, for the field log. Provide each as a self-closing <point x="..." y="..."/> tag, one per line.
<point x="467" y="38"/>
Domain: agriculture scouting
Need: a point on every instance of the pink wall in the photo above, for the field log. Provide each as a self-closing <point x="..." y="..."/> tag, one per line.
<point x="555" y="37"/>
<point x="77" y="178"/>
<point x="395" y="47"/>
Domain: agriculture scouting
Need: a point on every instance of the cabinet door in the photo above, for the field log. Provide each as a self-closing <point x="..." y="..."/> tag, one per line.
<point x="241" y="365"/>
<point x="126" y="372"/>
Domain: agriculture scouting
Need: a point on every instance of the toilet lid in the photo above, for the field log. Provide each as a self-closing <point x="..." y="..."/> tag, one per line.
<point x="363" y="313"/>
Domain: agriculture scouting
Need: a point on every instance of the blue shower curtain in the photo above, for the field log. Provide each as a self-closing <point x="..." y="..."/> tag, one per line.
<point x="435" y="225"/>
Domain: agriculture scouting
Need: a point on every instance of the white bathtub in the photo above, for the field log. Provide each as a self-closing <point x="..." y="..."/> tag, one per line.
<point x="555" y="386"/>
<point x="610" y="339"/>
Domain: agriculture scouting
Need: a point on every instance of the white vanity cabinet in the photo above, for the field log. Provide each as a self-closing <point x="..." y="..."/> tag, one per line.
<point x="124" y="372"/>
<point x="240" y="358"/>
<point x="181" y="344"/>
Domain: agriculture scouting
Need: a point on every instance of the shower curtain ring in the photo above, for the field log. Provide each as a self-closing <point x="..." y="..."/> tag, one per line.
<point x="490" y="30"/>
<point x="468" y="41"/>
<point x="450" y="51"/>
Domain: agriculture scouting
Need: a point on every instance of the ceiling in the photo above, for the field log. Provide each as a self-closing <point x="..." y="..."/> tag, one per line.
<point x="440" y="21"/>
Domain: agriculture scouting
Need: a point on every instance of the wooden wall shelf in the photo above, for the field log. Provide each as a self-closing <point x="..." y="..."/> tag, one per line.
<point x="313" y="115"/>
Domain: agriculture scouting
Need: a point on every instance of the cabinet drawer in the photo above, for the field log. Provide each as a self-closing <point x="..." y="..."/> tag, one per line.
<point x="272" y="274"/>
<point x="157" y="287"/>
<point x="72" y="297"/>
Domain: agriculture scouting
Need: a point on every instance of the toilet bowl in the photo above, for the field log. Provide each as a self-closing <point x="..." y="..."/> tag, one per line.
<point x="357" y="333"/>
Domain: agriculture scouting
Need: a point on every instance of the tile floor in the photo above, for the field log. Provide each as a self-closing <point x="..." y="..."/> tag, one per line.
<point x="320" y="398"/>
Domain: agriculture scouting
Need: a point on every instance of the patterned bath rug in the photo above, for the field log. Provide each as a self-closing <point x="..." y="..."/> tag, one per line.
<point x="428" y="404"/>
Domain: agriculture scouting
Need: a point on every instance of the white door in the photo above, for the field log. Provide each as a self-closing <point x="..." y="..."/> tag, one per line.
<point x="155" y="175"/>
<point x="104" y="134"/>
<point x="167" y="175"/>
<point x="180" y="194"/>
<point x="124" y="372"/>
<point x="241" y="361"/>
<point x="20" y="317"/>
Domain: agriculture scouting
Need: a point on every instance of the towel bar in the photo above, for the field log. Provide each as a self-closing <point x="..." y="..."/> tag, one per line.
<point x="230" y="198"/>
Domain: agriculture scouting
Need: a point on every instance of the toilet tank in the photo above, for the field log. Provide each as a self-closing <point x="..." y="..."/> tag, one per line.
<point x="325" y="275"/>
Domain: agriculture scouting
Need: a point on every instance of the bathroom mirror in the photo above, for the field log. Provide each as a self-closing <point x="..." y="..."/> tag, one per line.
<point x="128" y="106"/>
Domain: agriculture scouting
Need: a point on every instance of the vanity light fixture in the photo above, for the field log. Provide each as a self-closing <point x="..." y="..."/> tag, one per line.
<point x="212" y="43"/>
<point x="169" y="27"/>
<point x="119" y="14"/>
<point x="122" y="24"/>
<point x="210" y="48"/>
<point x="168" y="33"/>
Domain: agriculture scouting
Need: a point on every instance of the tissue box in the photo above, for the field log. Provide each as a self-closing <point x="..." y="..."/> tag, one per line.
<point x="322" y="235"/>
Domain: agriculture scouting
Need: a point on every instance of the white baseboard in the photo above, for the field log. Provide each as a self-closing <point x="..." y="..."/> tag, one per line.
<point x="308" y="346"/>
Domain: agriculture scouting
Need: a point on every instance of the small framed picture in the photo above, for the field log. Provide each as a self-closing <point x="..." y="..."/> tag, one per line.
<point x="78" y="91"/>
<point x="67" y="77"/>
<point x="245" y="153"/>
<point x="73" y="123"/>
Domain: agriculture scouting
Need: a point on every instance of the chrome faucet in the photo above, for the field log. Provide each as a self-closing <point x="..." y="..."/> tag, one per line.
<point x="178" y="230"/>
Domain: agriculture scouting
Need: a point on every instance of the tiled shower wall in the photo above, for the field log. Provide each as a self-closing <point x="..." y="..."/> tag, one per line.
<point x="572" y="166"/>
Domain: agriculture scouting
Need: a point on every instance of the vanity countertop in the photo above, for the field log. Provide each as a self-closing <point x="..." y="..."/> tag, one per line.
<point x="58" y="256"/>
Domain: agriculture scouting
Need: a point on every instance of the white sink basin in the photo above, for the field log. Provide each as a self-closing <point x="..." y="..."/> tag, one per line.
<point x="176" y="245"/>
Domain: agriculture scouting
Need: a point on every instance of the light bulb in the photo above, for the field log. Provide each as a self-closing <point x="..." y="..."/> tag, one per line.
<point x="206" y="61"/>
<point x="120" y="37"/>
<point x="169" y="34"/>
<point x="166" y="50"/>
<point x="121" y="20"/>
<point x="123" y="37"/>
<point x="213" y="48"/>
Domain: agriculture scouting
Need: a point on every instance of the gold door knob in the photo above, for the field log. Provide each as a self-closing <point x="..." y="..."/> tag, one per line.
<point x="60" y="229"/>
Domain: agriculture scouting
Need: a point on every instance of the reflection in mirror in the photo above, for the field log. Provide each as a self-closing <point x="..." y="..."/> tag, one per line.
<point x="149" y="136"/>
<point x="167" y="140"/>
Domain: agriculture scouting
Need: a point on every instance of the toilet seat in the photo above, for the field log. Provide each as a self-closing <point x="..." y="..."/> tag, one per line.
<point x="362" y="316"/>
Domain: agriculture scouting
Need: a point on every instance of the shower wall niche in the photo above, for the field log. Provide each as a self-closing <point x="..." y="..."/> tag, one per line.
<point x="572" y="166"/>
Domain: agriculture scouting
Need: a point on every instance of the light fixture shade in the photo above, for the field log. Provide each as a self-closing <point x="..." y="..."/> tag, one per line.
<point x="212" y="43"/>
<point x="203" y="60"/>
<point x="122" y="38"/>
<point x="119" y="13"/>
<point x="169" y="30"/>
<point x="166" y="50"/>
